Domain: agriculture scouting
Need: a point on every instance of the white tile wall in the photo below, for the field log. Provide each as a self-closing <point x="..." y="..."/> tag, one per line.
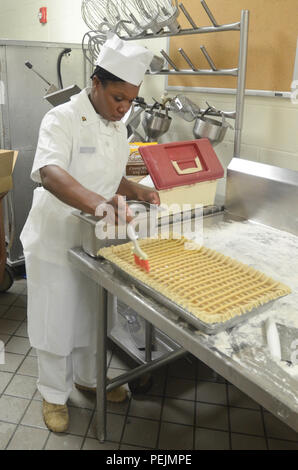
<point x="270" y="130"/>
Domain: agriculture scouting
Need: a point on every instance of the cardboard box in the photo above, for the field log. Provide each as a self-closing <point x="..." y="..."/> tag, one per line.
<point x="136" y="169"/>
<point x="135" y="165"/>
<point x="8" y="159"/>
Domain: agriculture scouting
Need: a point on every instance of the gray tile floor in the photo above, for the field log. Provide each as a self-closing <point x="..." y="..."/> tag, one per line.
<point x="188" y="407"/>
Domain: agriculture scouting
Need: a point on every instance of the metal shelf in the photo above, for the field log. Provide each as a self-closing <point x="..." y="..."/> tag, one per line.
<point x="184" y="32"/>
<point x="95" y="39"/>
<point x="224" y="72"/>
<point x="239" y="72"/>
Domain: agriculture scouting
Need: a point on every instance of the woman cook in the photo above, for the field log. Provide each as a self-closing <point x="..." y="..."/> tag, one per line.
<point x="80" y="162"/>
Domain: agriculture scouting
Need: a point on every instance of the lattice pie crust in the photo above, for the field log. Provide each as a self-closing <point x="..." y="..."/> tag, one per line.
<point x="211" y="286"/>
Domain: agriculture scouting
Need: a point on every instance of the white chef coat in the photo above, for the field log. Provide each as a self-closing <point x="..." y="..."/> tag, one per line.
<point x="61" y="301"/>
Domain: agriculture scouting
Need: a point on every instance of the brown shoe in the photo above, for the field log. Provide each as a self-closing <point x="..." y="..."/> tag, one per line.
<point x="55" y="416"/>
<point x="117" y="395"/>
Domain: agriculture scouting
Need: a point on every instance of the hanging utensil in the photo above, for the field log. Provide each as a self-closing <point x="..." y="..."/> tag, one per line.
<point x="52" y="88"/>
<point x="212" y="129"/>
<point x="142" y="15"/>
<point x="168" y="16"/>
<point x="94" y="12"/>
<point x="184" y="108"/>
<point x="155" y="124"/>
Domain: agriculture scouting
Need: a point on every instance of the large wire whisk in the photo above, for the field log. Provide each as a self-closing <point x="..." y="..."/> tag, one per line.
<point x="141" y="13"/>
<point x="118" y="20"/>
<point x="91" y="45"/>
<point x="164" y="13"/>
<point x="94" y="12"/>
<point x="101" y="16"/>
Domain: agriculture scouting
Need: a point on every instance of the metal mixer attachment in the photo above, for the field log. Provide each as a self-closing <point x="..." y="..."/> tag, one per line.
<point x="156" y="121"/>
<point x="91" y="45"/>
<point x="142" y="14"/>
<point x="94" y="13"/>
<point x="167" y="18"/>
<point x="102" y="16"/>
<point x="184" y="108"/>
<point x="212" y="129"/>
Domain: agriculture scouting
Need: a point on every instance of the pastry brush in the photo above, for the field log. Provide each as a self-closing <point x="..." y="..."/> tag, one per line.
<point x="140" y="257"/>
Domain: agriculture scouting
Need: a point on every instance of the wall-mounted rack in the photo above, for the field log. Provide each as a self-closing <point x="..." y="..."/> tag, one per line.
<point x="183" y="32"/>
<point x="194" y="28"/>
<point x="239" y="71"/>
<point x="95" y="39"/>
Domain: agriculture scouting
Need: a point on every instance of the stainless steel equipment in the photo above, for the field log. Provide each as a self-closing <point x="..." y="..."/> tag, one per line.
<point x="53" y="94"/>
<point x="132" y="119"/>
<point x="95" y="12"/>
<point x="94" y="39"/>
<point x="268" y="193"/>
<point x="62" y="96"/>
<point x="213" y="129"/>
<point x="134" y="17"/>
<point x="184" y="108"/>
<point x="52" y="88"/>
<point x="157" y="64"/>
<point x="240" y="354"/>
<point x="19" y="125"/>
<point x="155" y="124"/>
<point x="168" y="13"/>
<point x="91" y="45"/>
<point x="142" y="14"/>
<point x="187" y="59"/>
<point x="147" y="226"/>
<point x="239" y="71"/>
<point x="184" y="314"/>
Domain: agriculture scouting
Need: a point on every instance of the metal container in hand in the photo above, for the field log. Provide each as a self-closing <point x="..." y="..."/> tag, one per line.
<point x="146" y="215"/>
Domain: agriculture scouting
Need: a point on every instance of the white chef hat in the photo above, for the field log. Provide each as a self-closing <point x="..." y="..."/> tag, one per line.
<point x="126" y="60"/>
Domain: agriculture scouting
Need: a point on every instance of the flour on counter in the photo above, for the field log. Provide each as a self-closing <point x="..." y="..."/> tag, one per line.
<point x="275" y="253"/>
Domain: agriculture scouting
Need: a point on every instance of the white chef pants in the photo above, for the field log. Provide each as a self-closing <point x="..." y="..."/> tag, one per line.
<point x="57" y="374"/>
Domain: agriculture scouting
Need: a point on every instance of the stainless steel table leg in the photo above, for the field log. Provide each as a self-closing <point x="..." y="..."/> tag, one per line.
<point x="148" y="341"/>
<point x="102" y="365"/>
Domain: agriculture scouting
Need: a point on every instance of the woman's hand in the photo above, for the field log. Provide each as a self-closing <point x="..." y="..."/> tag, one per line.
<point x="139" y="192"/>
<point x="147" y="194"/>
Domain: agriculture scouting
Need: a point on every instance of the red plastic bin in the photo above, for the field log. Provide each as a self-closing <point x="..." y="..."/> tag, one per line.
<point x="181" y="163"/>
<point x="184" y="172"/>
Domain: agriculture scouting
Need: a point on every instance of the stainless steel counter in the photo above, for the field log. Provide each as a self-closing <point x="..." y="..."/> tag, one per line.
<point x="240" y="354"/>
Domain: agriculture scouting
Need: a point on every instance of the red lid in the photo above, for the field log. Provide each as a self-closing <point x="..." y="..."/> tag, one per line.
<point x="181" y="163"/>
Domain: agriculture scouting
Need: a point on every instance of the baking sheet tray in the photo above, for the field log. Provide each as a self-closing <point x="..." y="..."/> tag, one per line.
<point x="208" y="328"/>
